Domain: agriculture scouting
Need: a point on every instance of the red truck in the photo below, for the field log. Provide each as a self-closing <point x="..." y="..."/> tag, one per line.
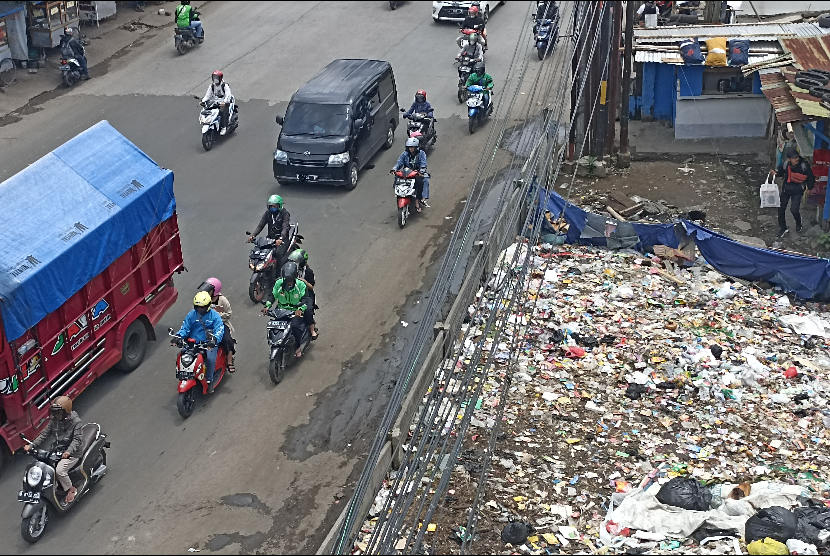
<point x="89" y="243"/>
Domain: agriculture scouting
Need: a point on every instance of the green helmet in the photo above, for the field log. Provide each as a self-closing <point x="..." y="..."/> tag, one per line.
<point x="299" y="256"/>
<point x="275" y="200"/>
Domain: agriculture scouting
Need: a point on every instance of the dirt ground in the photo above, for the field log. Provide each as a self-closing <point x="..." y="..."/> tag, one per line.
<point x="725" y="188"/>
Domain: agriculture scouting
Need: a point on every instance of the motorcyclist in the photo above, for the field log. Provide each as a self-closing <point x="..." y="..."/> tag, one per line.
<point x="415" y="158"/>
<point x="219" y="91"/>
<point x="291" y="294"/>
<point x="185" y="14"/>
<point x="64" y="433"/>
<point x="482" y="78"/>
<point x="278" y="220"/>
<point x="222" y="306"/>
<point x="422" y="106"/>
<point x="199" y="323"/>
<point x="472" y="49"/>
<point x="474" y="21"/>
<point x="305" y="274"/>
<point x="70" y="43"/>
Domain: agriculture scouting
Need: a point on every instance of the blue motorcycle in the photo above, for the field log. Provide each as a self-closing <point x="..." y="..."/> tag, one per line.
<point x="547" y="30"/>
<point x="475" y="106"/>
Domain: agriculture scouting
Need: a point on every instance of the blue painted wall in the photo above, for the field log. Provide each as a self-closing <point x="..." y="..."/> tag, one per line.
<point x="691" y="80"/>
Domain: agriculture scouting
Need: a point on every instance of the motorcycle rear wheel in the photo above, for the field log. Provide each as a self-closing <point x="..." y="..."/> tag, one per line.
<point x="68" y="80"/>
<point x="540" y="51"/>
<point x="186" y="402"/>
<point x="403" y="213"/>
<point x="208" y="139"/>
<point x="33" y="527"/>
<point x="181" y="48"/>
<point x="276" y="368"/>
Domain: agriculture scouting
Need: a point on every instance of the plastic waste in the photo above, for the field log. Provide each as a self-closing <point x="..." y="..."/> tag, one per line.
<point x="685" y="493"/>
<point x="775" y="522"/>
<point x="767" y="546"/>
<point x="796" y="546"/>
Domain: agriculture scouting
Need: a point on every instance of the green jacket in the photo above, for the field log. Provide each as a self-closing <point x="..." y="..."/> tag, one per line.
<point x="183" y="15"/>
<point x="485" y="80"/>
<point x="291" y="299"/>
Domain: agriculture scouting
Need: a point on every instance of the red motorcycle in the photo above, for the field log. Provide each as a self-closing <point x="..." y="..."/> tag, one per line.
<point x="463" y="40"/>
<point x="405" y="192"/>
<point x="191" y="368"/>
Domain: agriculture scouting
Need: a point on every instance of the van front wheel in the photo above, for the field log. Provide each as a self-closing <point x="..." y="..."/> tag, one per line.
<point x="351" y="177"/>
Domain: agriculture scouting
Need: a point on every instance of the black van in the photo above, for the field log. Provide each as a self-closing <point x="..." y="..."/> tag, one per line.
<point x="336" y="122"/>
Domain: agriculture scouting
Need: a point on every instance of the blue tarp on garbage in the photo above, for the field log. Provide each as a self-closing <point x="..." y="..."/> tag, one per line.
<point x="69" y="215"/>
<point x="807" y="277"/>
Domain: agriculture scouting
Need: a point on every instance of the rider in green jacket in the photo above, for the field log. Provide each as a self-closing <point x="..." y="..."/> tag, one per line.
<point x="291" y="294"/>
<point x="184" y="19"/>
<point x="483" y="79"/>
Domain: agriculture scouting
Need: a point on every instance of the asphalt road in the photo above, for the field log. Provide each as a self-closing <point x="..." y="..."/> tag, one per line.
<point x="259" y="468"/>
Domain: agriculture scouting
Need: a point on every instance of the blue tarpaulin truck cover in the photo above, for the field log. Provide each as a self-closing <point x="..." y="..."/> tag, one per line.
<point x="68" y="216"/>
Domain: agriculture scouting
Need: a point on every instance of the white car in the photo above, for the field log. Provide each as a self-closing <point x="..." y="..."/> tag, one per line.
<point x="457" y="11"/>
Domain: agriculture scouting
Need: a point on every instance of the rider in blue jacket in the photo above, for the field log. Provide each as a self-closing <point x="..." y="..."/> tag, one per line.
<point x="415" y="158"/>
<point x="198" y="322"/>
<point x="421" y="105"/>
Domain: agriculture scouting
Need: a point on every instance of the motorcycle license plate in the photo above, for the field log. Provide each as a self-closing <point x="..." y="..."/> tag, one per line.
<point x="183" y="375"/>
<point x="306" y="177"/>
<point x="28" y="496"/>
<point x="464" y="68"/>
<point x="278" y="324"/>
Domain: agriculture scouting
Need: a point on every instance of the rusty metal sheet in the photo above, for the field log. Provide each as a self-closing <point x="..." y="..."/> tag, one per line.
<point x="810" y="52"/>
<point x="775" y="87"/>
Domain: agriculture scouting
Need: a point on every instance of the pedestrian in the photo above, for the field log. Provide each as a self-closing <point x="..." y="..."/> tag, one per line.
<point x="139" y="6"/>
<point x="798" y="178"/>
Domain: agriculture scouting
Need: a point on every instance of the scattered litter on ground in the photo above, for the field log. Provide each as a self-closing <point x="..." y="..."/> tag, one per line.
<point x="644" y="415"/>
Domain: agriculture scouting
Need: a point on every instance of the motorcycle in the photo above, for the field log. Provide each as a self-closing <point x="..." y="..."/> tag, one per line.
<point x="40" y="483"/>
<point x="185" y="38"/>
<point x="465" y="67"/>
<point x="70" y="67"/>
<point x="265" y="265"/>
<point x="281" y="342"/>
<point x="421" y="127"/>
<point x="191" y="369"/>
<point x="547" y="31"/>
<point x="211" y="119"/>
<point x="475" y="107"/>
<point x="463" y="38"/>
<point x="405" y="192"/>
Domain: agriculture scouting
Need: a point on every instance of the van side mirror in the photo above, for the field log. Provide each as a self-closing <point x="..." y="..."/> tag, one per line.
<point x="280" y="120"/>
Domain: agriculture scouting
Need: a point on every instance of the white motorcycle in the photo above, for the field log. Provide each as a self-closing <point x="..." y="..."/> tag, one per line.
<point x="210" y="118"/>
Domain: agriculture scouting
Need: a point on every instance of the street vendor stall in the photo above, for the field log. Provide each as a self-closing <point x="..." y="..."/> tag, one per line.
<point x="47" y="20"/>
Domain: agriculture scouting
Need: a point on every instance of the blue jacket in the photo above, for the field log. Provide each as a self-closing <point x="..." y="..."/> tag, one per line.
<point x="196" y="327"/>
<point x="424" y="107"/>
<point x="420" y="161"/>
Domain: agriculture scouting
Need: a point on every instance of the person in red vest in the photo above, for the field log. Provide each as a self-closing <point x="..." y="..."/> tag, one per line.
<point x="798" y="178"/>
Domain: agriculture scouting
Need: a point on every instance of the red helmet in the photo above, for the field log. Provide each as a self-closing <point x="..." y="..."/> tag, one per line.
<point x="473" y="9"/>
<point x="422" y="94"/>
<point x="218" y="74"/>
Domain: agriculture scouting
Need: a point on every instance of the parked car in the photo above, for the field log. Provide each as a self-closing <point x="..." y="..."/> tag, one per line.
<point x="336" y="123"/>
<point x="457" y="11"/>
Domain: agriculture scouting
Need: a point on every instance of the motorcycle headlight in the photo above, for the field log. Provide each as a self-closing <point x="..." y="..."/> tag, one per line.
<point x="281" y="156"/>
<point x="338" y="159"/>
<point x="34" y="476"/>
<point x="187" y="360"/>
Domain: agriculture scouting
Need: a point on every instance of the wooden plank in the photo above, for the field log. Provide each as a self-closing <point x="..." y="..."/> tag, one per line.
<point x="615" y="214"/>
<point x="620" y="198"/>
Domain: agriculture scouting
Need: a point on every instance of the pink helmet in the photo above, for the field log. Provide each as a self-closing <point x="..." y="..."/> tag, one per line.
<point x="216" y="283"/>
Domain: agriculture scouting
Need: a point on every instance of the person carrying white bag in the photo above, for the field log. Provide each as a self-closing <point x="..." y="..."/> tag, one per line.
<point x="798" y="178"/>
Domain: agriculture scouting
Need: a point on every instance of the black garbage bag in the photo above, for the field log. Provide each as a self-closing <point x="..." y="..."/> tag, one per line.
<point x="703" y="532"/>
<point x="775" y="522"/>
<point x="635" y="391"/>
<point x="516" y="532"/>
<point x="685" y="493"/>
<point x="810" y="522"/>
<point x="716" y="350"/>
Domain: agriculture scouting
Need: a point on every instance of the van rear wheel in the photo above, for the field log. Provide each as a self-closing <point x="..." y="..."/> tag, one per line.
<point x="351" y="182"/>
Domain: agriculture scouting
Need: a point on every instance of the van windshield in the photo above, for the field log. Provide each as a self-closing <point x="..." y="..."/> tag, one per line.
<point x="319" y="120"/>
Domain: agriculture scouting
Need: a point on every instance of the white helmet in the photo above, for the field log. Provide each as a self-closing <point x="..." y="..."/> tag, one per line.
<point x="412" y="142"/>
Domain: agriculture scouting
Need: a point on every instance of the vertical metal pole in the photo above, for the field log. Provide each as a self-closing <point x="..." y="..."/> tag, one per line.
<point x="624" y="160"/>
<point x="601" y="110"/>
<point x="614" y="79"/>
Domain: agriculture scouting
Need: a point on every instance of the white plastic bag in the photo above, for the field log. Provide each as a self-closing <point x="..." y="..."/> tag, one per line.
<point x="769" y="193"/>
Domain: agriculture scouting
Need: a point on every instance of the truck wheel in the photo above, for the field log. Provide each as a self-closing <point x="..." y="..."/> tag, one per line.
<point x="186" y="402"/>
<point x="134" y="347"/>
<point x="33" y="527"/>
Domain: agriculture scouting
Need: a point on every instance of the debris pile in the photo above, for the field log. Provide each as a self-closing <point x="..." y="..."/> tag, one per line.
<point x="647" y="412"/>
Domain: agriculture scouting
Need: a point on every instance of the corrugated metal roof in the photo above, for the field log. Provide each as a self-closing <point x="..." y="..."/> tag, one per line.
<point x="775" y="88"/>
<point x="752" y="31"/>
<point x="809" y="53"/>
<point x="661" y="57"/>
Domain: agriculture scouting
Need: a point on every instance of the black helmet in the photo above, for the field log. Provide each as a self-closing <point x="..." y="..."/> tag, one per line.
<point x="479" y="68"/>
<point x="185" y="2"/>
<point x="791" y="153"/>
<point x="289" y="274"/>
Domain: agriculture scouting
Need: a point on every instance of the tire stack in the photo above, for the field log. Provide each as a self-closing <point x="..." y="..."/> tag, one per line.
<point x="817" y="82"/>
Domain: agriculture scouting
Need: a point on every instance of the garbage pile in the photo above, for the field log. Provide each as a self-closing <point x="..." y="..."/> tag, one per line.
<point x="648" y="412"/>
